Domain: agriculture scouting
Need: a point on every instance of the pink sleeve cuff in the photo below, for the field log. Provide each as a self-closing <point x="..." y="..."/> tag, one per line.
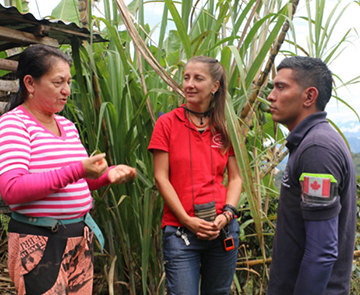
<point x="103" y="180"/>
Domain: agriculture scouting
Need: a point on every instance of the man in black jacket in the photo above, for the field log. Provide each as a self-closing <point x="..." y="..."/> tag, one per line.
<point x="315" y="232"/>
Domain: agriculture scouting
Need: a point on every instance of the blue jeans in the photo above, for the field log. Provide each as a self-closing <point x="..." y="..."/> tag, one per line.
<point x="208" y="260"/>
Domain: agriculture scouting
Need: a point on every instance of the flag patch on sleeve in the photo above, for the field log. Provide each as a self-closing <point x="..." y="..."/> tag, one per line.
<point x="318" y="188"/>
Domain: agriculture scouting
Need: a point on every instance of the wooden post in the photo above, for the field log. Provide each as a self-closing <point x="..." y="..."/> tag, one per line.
<point x="9" y="86"/>
<point x="83" y="6"/>
<point x="2" y="107"/>
<point x="19" y="37"/>
<point x="8" y="65"/>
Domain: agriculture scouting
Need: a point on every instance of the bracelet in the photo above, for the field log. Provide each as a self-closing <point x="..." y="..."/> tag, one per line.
<point x="229" y="216"/>
<point x="232" y="209"/>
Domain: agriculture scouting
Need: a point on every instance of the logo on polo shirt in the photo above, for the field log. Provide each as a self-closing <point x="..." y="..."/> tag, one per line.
<point x="285" y="178"/>
<point x="217" y="141"/>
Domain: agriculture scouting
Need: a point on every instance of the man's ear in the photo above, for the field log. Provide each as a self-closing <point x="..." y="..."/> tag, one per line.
<point x="29" y="83"/>
<point x="311" y="97"/>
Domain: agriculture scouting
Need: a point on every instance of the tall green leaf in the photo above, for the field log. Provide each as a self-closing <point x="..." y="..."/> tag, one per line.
<point x="67" y="10"/>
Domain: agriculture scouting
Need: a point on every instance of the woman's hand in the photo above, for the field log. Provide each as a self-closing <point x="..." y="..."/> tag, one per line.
<point x="206" y="230"/>
<point x="220" y="221"/>
<point x="203" y="229"/>
<point x="95" y="166"/>
<point x="121" y="174"/>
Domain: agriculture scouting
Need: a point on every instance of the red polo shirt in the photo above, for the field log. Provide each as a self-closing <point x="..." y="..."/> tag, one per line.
<point x="193" y="158"/>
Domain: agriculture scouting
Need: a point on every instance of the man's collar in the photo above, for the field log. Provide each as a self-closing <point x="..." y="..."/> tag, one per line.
<point x="299" y="132"/>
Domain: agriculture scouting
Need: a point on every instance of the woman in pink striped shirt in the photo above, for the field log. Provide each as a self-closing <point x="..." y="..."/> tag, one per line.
<point x="46" y="177"/>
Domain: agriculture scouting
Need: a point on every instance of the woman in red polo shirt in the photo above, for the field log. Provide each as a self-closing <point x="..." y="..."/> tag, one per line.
<point x="191" y="149"/>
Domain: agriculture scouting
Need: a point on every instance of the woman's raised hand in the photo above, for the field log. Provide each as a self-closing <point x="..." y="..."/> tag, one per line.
<point x="95" y="166"/>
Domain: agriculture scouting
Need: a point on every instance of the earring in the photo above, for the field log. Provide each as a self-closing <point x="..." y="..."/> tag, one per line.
<point x="31" y="95"/>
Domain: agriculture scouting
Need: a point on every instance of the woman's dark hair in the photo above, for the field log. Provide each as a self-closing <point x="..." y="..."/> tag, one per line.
<point x="36" y="61"/>
<point x="217" y="104"/>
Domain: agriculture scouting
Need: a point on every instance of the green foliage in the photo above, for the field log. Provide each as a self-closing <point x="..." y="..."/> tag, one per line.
<point x="355" y="279"/>
<point x="356" y="159"/>
<point x="67" y="10"/>
<point x="21" y="5"/>
<point x="3" y="55"/>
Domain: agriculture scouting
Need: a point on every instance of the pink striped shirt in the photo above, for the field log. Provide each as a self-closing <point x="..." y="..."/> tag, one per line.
<point x="41" y="174"/>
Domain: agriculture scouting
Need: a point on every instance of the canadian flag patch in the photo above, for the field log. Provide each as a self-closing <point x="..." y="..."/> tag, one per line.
<point x="317" y="186"/>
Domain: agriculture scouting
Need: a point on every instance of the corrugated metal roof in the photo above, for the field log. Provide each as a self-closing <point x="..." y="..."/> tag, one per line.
<point x="11" y="18"/>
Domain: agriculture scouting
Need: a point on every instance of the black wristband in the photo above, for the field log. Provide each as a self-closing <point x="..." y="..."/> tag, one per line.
<point x="231" y="208"/>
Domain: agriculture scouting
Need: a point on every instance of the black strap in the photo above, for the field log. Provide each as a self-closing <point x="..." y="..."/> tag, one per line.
<point x="191" y="167"/>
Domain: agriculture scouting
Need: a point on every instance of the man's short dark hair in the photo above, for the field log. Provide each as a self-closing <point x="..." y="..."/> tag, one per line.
<point x="310" y="72"/>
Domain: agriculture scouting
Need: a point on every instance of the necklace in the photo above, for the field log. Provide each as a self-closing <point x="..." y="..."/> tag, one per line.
<point x="206" y="113"/>
<point x="198" y="114"/>
<point x="202" y="124"/>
